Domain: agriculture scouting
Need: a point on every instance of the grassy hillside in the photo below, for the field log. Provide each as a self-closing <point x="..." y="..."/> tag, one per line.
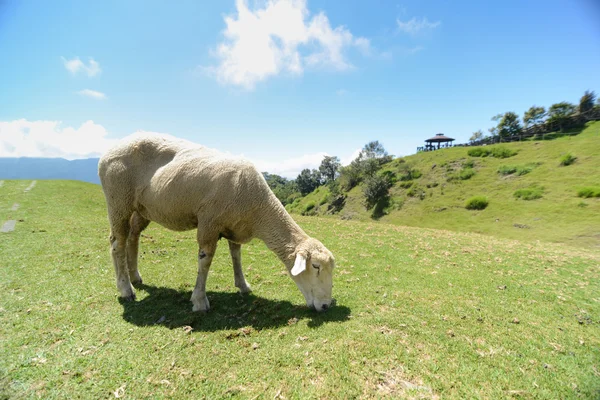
<point x="437" y="199"/>
<point x="420" y="313"/>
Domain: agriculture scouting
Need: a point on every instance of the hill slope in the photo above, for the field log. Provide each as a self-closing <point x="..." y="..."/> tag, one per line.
<point x="420" y="313"/>
<point x="437" y="199"/>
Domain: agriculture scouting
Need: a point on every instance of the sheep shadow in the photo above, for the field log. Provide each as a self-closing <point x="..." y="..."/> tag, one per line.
<point x="172" y="308"/>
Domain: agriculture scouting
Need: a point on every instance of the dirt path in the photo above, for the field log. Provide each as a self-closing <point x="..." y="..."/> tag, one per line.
<point x="8" y="226"/>
<point x="30" y="186"/>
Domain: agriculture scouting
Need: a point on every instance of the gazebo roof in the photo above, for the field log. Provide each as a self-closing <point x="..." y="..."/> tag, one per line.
<point x="440" y="137"/>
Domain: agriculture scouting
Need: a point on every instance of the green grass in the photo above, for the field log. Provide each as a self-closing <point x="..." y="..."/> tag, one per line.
<point x="556" y="217"/>
<point x="420" y="313"/>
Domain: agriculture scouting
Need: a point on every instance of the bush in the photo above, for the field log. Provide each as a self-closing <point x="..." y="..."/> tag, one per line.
<point x="463" y="175"/>
<point x="502" y="152"/>
<point x="407" y="173"/>
<point x="466" y="173"/>
<point x="567" y="159"/>
<point x="479" y="152"/>
<point x="469" y="164"/>
<point x="308" y="207"/>
<point x="588" y="192"/>
<point x="515" y="169"/>
<point x="477" y="203"/>
<point x="376" y="188"/>
<point x="497" y="152"/>
<point x="406" y="184"/>
<point x="529" y="193"/>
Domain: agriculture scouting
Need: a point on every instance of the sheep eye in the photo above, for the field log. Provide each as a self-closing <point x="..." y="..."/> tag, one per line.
<point x="315" y="266"/>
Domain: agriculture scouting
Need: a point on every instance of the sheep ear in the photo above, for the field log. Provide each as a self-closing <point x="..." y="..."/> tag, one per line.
<point x="299" y="265"/>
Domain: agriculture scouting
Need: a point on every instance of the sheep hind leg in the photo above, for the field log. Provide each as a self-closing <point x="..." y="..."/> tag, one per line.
<point x="137" y="224"/>
<point x="199" y="300"/>
<point x="118" y="245"/>
<point x="235" y="250"/>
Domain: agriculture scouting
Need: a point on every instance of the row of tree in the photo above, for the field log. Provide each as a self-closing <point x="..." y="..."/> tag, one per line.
<point x="332" y="173"/>
<point x="558" y="115"/>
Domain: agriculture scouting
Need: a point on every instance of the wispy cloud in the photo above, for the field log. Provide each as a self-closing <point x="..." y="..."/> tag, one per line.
<point x="92" y="94"/>
<point x="414" y="26"/>
<point x="281" y="37"/>
<point x="75" y="66"/>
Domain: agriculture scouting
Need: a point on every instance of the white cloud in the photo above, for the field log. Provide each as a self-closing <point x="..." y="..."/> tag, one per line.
<point x="75" y="65"/>
<point x="92" y="94"/>
<point x="22" y="138"/>
<point x="281" y="37"/>
<point x="291" y="167"/>
<point x="414" y="26"/>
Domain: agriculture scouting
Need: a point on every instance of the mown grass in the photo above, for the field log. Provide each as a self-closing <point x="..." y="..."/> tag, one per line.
<point x="420" y="313"/>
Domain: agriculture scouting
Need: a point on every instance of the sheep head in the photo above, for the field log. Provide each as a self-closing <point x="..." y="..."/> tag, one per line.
<point x="313" y="272"/>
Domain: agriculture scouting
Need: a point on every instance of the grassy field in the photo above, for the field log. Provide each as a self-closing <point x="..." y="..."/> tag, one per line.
<point x="420" y="314"/>
<point x="450" y="177"/>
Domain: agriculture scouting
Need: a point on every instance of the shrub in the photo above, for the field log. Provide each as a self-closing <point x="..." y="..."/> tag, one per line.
<point x="567" y="159"/>
<point x="477" y="203"/>
<point x="308" y="207"/>
<point x="529" y="193"/>
<point x="588" y="192"/>
<point x="469" y="164"/>
<point x="406" y="184"/>
<point x="466" y="173"/>
<point x="497" y="152"/>
<point x="479" y="152"/>
<point x="502" y="152"/>
<point x="515" y="169"/>
<point x="463" y="175"/>
<point x="376" y="188"/>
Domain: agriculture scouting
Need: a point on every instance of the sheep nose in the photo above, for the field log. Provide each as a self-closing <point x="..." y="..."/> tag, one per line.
<point x="324" y="307"/>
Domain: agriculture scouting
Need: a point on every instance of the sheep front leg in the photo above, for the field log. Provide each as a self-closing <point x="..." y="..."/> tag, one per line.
<point x="118" y="246"/>
<point x="235" y="250"/>
<point x="199" y="299"/>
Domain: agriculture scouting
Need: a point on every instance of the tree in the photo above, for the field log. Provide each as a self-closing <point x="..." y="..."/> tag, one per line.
<point x="560" y="112"/>
<point x="308" y="181"/>
<point x="586" y="103"/>
<point x="477" y="135"/>
<point x="283" y="188"/>
<point x="329" y="168"/>
<point x="374" y="149"/>
<point x="534" y="116"/>
<point x="509" y="124"/>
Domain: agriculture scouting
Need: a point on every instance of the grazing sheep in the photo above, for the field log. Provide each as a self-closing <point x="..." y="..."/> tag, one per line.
<point x="184" y="186"/>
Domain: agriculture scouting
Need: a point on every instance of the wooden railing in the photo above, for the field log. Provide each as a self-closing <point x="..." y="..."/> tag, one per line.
<point x="542" y="131"/>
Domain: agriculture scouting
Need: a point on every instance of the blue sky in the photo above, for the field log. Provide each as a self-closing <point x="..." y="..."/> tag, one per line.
<point x="283" y="81"/>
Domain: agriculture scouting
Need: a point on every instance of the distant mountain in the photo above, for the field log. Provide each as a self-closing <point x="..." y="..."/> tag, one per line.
<point x="49" y="168"/>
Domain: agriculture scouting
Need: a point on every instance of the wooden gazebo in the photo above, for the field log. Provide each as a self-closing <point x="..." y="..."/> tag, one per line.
<point x="439" y="139"/>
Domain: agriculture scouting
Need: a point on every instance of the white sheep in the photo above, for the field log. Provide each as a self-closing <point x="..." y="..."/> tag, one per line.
<point x="184" y="186"/>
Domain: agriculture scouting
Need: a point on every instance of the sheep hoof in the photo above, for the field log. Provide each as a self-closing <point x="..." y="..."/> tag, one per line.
<point x="137" y="282"/>
<point x="201" y="309"/>
<point x="201" y="305"/>
<point x="131" y="297"/>
<point x="245" y="289"/>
